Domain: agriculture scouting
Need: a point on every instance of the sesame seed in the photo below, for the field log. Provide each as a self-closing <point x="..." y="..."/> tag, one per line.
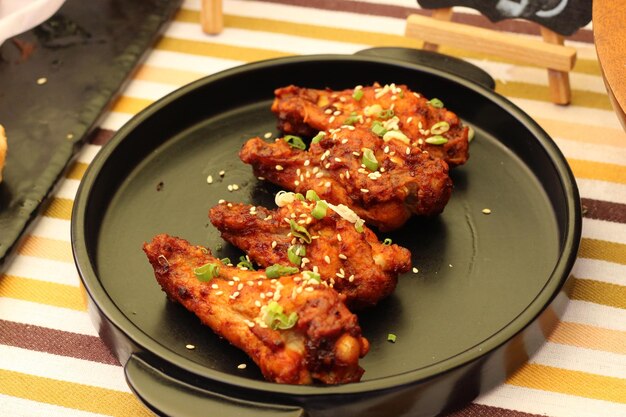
<point x="242" y="365"/>
<point x="235" y="187"/>
<point x="240" y="286"/>
<point x="269" y="293"/>
<point x="42" y="80"/>
<point x="328" y="111"/>
<point x="327" y="165"/>
<point x="486" y="211"/>
<point x="331" y="119"/>
<point x="386" y="150"/>
<point x="407" y="150"/>
<point x="230" y="187"/>
<point x="262" y="296"/>
<point x="365" y="190"/>
<point x="279" y="168"/>
<point x="219" y="292"/>
<point x="338" y="237"/>
<point x="336" y="112"/>
<point x="257" y="303"/>
<point x="274" y="244"/>
<point x="356" y="153"/>
<point x="327" y="259"/>
<point x="348" y="174"/>
<point x="327" y="184"/>
<point x="316" y="269"/>
<point x="229" y="205"/>
<point x="209" y="179"/>
<point x="269" y="217"/>
<point x="296" y="183"/>
<point x="222" y="173"/>
<point x="231" y="283"/>
<point x="307" y="163"/>
<point x="235" y="295"/>
<point x="299" y="290"/>
<point x="337" y="159"/>
<point x="342" y="256"/>
<point x="344" y="141"/>
<point x="236" y="279"/>
<point x="309" y="289"/>
<point x="190" y="347"/>
<point x="410" y="119"/>
<point x="221" y="201"/>
<point x="214" y="286"/>
<point x="415" y="270"/>
<point x="316" y="170"/>
<point x="351" y="278"/>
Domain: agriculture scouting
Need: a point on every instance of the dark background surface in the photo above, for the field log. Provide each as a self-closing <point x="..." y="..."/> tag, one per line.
<point x="562" y="16"/>
<point x="85" y="53"/>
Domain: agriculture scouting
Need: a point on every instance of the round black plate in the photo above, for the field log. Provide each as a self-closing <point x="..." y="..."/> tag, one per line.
<point x="463" y="322"/>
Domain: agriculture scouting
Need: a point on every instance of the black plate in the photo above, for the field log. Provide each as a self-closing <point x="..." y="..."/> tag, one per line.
<point x="488" y="287"/>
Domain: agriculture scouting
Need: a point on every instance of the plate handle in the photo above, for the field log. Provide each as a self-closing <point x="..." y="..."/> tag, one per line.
<point x="167" y="396"/>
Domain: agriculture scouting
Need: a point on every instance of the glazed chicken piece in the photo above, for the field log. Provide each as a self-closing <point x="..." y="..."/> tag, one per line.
<point x="294" y="327"/>
<point x="384" y="182"/>
<point x="305" y="111"/>
<point x="311" y="235"/>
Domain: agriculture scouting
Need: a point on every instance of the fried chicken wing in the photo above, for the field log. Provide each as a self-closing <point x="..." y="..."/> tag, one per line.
<point x="354" y="263"/>
<point x="294" y="327"/>
<point x="384" y="182"/>
<point x="305" y="111"/>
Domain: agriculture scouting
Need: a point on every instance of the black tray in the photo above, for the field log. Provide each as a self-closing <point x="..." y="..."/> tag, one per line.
<point x="489" y="287"/>
<point x="85" y="52"/>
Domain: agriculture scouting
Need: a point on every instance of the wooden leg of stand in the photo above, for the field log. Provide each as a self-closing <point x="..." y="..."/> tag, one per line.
<point x="560" y="91"/>
<point x="440" y="14"/>
<point x="211" y="17"/>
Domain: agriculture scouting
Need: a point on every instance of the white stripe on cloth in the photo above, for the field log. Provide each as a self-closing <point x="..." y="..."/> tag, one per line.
<point x="51" y="228"/>
<point x="57" y="318"/>
<point x="599" y="270"/>
<point x="20" y="407"/>
<point x="63" y="368"/>
<point x="67" y="189"/>
<point x="592" y="152"/>
<point x="602" y="190"/>
<point x="604" y="230"/>
<point x="44" y="269"/>
<point x="188" y="62"/>
<point x="552" y="404"/>
<point x="584" y="312"/>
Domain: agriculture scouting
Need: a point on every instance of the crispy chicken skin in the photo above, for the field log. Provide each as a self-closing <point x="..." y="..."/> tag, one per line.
<point x="403" y="183"/>
<point x="324" y="345"/>
<point x="305" y="111"/>
<point x="355" y="264"/>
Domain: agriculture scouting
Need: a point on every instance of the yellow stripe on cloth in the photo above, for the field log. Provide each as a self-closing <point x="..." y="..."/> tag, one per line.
<point x="540" y="92"/>
<point x="42" y="247"/>
<point x="602" y="250"/>
<point x="131" y="105"/>
<point x="166" y="75"/>
<point x="217" y="50"/>
<point x="354" y="36"/>
<point x="71" y="395"/>
<point x="42" y="292"/>
<point x="604" y="293"/>
<point x="76" y="171"/>
<point x="589" y="337"/>
<point x="581" y="384"/>
<point x="59" y="208"/>
<point x="579" y="132"/>
<point x="598" y="170"/>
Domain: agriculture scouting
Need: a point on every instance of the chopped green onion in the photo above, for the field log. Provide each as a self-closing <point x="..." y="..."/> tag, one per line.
<point x="386" y="114"/>
<point x="396" y="134"/>
<point x="299" y="231"/>
<point x="387" y="242"/>
<point x="311" y="195"/>
<point x="372" y="110"/>
<point x="378" y="128"/>
<point x="358" y="94"/>
<point x="358" y="225"/>
<point x="436" y="140"/>
<point x="207" y="272"/>
<point x="352" y="119"/>
<point x="319" y="212"/>
<point x="277" y="270"/>
<point x="435" y="102"/>
<point x="245" y="263"/>
<point x="276" y="319"/>
<point x="225" y="261"/>
<point x="295" y="142"/>
<point x="439" y="128"/>
<point x="318" y="137"/>
<point x="312" y="275"/>
<point x="470" y="133"/>
<point x="369" y="159"/>
<point x="299" y="196"/>
<point x="391" y="338"/>
<point x="295" y="254"/>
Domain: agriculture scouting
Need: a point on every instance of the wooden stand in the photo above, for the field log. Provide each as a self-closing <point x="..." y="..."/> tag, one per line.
<point x="211" y="16"/>
<point x="549" y="53"/>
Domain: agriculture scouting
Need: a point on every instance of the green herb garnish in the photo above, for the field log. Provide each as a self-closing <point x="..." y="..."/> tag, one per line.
<point x="391" y="338"/>
<point x="318" y="137"/>
<point x="387" y="242"/>
<point x="439" y="128"/>
<point x="436" y="140"/>
<point x="245" y="263"/>
<point x="357" y="94"/>
<point x="276" y="270"/>
<point x="386" y="114"/>
<point x="378" y="128"/>
<point x="300" y="231"/>
<point x="276" y="319"/>
<point x="295" y="254"/>
<point x="295" y="142"/>
<point x="319" y="212"/>
<point x="352" y="119"/>
<point x="311" y="195"/>
<point x="435" y="102"/>
<point x="207" y="272"/>
<point x="369" y="159"/>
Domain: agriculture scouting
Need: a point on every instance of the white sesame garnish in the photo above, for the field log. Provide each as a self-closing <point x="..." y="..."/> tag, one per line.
<point x="351" y="278"/>
<point x="407" y="150"/>
<point x="229" y="205"/>
<point x="336" y="112"/>
<point x="409" y="119"/>
<point x="337" y="159"/>
<point x="242" y="365"/>
<point x="240" y="286"/>
<point x="235" y="187"/>
<point x="257" y="302"/>
<point x="222" y="173"/>
<point x="342" y="256"/>
<point x="214" y="286"/>
<point x="331" y="119"/>
<point x="274" y="244"/>
<point x="338" y="237"/>
<point x="328" y="111"/>
<point x="415" y="270"/>
<point x="296" y="183"/>
<point x="221" y="201"/>
<point x="327" y="259"/>
<point x="231" y="283"/>
<point x="344" y="141"/>
<point x="219" y="292"/>
<point x="279" y="168"/>
<point x="190" y="347"/>
<point x="365" y="190"/>
<point x="230" y="187"/>
<point x="309" y="289"/>
<point x="307" y="163"/>
<point x="486" y="211"/>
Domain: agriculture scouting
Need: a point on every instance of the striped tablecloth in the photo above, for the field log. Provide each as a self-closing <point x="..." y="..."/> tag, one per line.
<point x="52" y="362"/>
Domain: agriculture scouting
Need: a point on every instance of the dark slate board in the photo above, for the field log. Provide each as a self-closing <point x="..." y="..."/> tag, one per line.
<point x="562" y="16"/>
<point x="86" y="52"/>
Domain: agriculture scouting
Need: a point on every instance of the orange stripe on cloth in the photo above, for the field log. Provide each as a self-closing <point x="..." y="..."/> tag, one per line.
<point x="59" y="208"/>
<point x="131" y="105"/>
<point x="581" y="384"/>
<point x="43" y="247"/>
<point x="71" y="395"/>
<point x="598" y="170"/>
<point x="42" y="292"/>
<point x="589" y="337"/>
